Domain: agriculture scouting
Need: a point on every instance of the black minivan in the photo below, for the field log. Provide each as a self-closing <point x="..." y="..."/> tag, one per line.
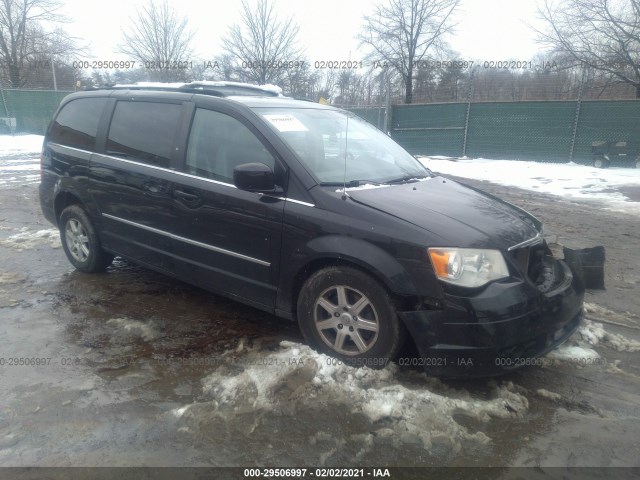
<point x="310" y="213"/>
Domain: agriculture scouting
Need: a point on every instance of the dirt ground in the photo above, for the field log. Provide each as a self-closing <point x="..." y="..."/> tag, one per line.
<point x="138" y="372"/>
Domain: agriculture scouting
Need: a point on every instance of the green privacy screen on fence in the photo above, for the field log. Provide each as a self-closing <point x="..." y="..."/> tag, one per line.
<point x="28" y="111"/>
<point x="527" y="130"/>
<point x="440" y="128"/>
<point x="548" y="131"/>
<point x="608" y="121"/>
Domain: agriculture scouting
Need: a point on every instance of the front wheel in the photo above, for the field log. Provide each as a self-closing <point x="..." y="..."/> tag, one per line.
<point x="345" y="313"/>
<point x="80" y="241"/>
<point x="601" y="162"/>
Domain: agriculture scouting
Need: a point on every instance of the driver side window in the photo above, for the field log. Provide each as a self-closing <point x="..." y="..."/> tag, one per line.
<point x="218" y="143"/>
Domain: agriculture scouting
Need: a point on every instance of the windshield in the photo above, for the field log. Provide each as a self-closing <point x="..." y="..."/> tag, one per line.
<point x="340" y="148"/>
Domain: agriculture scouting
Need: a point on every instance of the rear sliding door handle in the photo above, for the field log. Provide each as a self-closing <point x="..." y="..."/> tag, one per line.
<point x="187" y="196"/>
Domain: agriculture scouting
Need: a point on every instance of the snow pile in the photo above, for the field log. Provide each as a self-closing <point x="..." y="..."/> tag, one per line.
<point x="578" y="348"/>
<point x="594" y="334"/>
<point x="403" y="406"/>
<point x="549" y="395"/>
<point x="598" y="312"/>
<point x="566" y="179"/>
<point x="574" y="354"/>
<point x="28" y="239"/>
<point x="22" y="144"/>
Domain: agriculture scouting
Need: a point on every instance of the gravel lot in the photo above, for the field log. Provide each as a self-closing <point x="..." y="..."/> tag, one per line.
<point x="145" y="370"/>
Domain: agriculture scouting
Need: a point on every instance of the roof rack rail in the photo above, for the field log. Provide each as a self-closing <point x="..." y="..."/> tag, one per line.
<point x="216" y="88"/>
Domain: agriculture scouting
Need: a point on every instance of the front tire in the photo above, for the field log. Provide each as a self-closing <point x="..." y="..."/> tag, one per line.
<point x="80" y="241"/>
<point x="345" y="313"/>
<point x="601" y="162"/>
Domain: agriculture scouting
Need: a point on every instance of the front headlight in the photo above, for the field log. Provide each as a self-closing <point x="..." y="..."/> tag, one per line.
<point x="468" y="267"/>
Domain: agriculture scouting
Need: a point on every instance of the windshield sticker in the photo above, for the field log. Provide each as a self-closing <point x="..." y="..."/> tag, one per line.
<point x="286" y="123"/>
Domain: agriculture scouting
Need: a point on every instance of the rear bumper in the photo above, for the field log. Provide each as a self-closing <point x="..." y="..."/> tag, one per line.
<point x="507" y="326"/>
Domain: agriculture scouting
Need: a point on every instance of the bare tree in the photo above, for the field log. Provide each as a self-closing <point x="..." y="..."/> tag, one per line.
<point x="160" y="40"/>
<point x="263" y="46"/>
<point x="602" y="35"/>
<point x="402" y="33"/>
<point x="24" y="40"/>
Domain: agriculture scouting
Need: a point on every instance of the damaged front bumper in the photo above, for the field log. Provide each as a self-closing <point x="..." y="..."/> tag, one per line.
<point x="506" y="326"/>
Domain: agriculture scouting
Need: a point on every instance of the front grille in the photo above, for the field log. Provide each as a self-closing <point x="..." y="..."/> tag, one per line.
<point x="538" y="265"/>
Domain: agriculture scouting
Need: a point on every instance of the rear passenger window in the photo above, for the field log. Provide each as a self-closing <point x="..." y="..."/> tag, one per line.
<point x="218" y="143"/>
<point x="144" y="131"/>
<point x="77" y="123"/>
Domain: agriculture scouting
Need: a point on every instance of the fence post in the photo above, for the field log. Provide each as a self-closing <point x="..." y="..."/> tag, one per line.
<point x="466" y="118"/>
<point x="379" y="122"/>
<point x="387" y="108"/>
<point x="576" y="119"/>
<point x="12" y="129"/>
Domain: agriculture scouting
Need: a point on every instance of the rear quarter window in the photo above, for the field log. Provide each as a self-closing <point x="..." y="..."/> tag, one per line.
<point x="76" y="125"/>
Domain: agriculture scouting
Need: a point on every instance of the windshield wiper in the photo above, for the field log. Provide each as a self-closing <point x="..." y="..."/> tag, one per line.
<point x="351" y="183"/>
<point x="407" y="179"/>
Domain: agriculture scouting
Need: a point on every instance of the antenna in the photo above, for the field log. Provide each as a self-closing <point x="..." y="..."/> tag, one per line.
<point x="344" y="178"/>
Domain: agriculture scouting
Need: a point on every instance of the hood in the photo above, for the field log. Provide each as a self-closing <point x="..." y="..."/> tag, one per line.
<point x="464" y="216"/>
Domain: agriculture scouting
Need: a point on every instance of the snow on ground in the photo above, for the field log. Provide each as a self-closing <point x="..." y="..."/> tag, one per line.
<point x="568" y="180"/>
<point x="10" y="144"/>
<point x="27" y="239"/>
<point x="404" y="407"/>
<point x="20" y="159"/>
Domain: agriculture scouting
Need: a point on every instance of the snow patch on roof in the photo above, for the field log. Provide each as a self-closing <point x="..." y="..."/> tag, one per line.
<point x="215" y="83"/>
<point x="274" y="89"/>
<point x="152" y="85"/>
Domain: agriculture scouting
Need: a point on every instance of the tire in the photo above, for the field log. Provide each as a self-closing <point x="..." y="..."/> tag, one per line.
<point x="80" y="241"/>
<point x="599" y="162"/>
<point x="345" y="313"/>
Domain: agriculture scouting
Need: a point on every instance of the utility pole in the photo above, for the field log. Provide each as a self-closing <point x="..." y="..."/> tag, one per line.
<point x="53" y="72"/>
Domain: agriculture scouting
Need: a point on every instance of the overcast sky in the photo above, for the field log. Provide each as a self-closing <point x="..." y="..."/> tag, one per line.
<point x="487" y="29"/>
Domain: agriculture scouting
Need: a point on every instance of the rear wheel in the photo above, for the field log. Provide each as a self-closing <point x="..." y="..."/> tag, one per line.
<point x="345" y="313"/>
<point x="80" y="241"/>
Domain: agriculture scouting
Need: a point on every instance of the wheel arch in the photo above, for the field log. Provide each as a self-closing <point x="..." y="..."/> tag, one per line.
<point x="62" y="200"/>
<point x="335" y="250"/>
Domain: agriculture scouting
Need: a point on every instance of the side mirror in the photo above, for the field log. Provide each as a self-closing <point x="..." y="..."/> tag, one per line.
<point x="254" y="177"/>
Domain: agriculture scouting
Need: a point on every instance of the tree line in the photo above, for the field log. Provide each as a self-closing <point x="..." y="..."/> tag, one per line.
<point x="591" y="49"/>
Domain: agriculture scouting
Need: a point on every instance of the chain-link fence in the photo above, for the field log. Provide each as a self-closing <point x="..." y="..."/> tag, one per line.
<point x="547" y="131"/>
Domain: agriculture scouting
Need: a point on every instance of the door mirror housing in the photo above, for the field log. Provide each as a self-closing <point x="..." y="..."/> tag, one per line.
<point x="254" y="177"/>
